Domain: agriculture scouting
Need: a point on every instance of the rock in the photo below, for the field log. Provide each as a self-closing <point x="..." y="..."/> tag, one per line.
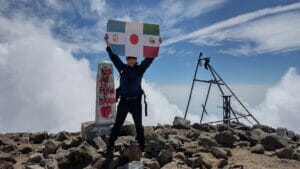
<point x="165" y="156"/>
<point x="222" y="163"/>
<point x="66" y="144"/>
<point x="152" y="149"/>
<point x="281" y="132"/>
<point x="98" y="143"/>
<point x="258" y="149"/>
<point x="225" y="138"/>
<point x="50" y="147"/>
<point x="257" y="134"/>
<point x="174" y="142"/>
<point x="181" y="123"/>
<point x="273" y="142"/>
<point x="8" y="148"/>
<point x="35" y="158"/>
<point x="179" y="155"/>
<point x="219" y="152"/>
<point x="193" y="135"/>
<point x="25" y="148"/>
<point x="151" y="163"/>
<point x="79" y="157"/>
<point x="131" y="152"/>
<point x="284" y="153"/>
<point x="223" y="127"/>
<point x="174" y="165"/>
<point x="194" y="162"/>
<point x="202" y="127"/>
<point x="35" y="166"/>
<point x="296" y="154"/>
<point x="149" y="133"/>
<point x="264" y="128"/>
<point x="292" y="135"/>
<point x="38" y="138"/>
<point x="6" y="165"/>
<point x="128" y="130"/>
<point x="62" y="136"/>
<point x="8" y="157"/>
<point x="207" y="142"/>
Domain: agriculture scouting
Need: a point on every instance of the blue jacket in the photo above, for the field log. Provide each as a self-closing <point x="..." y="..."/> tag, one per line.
<point x="130" y="77"/>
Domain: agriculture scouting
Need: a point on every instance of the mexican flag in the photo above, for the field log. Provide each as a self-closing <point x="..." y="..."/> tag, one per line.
<point x="133" y="39"/>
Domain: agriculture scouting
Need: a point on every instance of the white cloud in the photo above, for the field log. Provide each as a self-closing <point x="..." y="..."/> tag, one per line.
<point x="281" y="106"/>
<point x="266" y="33"/>
<point x="42" y="86"/>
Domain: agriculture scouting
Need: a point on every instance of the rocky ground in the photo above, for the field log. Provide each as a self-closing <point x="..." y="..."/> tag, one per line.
<point x="180" y="145"/>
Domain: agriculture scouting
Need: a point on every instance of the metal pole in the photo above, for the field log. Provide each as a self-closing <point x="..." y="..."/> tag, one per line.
<point x="234" y="95"/>
<point x="188" y="104"/>
<point x="204" y="106"/>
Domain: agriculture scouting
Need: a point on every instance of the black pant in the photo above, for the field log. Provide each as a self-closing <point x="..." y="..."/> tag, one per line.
<point x="133" y="106"/>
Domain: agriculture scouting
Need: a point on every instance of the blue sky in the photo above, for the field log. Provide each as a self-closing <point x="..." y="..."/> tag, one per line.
<point x="84" y="22"/>
<point x="254" y="45"/>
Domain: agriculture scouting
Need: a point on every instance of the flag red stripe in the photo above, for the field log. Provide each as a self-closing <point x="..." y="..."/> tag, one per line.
<point x="150" y="51"/>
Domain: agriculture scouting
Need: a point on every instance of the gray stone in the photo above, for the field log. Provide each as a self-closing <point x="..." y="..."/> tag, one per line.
<point x="6" y="165"/>
<point x="8" y="157"/>
<point x="165" y="156"/>
<point x="62" y="136"/>
<point x="181" y="123"/>
<point x="152" y="149"/>
<point x="132" y="152"/>
<point x="179" y="155"/>
<point x="50" y="147"/>
<point x="219" y="152"/>
<point x="174" y="142"/>
<point x="222" y="163"/>
<point x="151" y="163"/>
<point x="258" y="149"/>
<point x="35" y="158"/>
<point x="38" y="138"/>
<point x="207" y="142"/>
<point x="35" y="166"/>
<point x="281" y="132"/>
<point x="25" y="148"/>
<point x="225" y="138"/>
<point x="194" y="162"/>
<point x="284" y="153"/>
<point x="273" y="142"/>
<point x="264" y="128"/>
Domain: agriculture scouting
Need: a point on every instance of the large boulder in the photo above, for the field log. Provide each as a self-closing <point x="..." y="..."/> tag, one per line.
<point x="274" y="142"/>
<point x="152" y="149"/>
<point x="25" y="148"/>
<point x="165" y="156"/>
<point x="284" y="153"/>
<point x="181" y="123"/>
<point x="225" y="138"/>
<point x="131" y="152"/>
<point x="257" y="149"/>
<point x="50" y="147"/>
<point x="38" y="138"/>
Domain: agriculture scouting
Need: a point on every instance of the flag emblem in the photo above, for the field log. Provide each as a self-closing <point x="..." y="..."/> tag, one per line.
<point x="134" y="39"/>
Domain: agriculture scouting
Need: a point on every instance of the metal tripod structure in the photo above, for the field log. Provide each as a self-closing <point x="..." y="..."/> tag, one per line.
<point x="227" y="109"/>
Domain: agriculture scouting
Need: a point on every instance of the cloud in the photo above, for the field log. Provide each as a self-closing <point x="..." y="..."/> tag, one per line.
<point x="266" y="33"/>
<point x="43" y="87"/>
<point x="281" y="105"/>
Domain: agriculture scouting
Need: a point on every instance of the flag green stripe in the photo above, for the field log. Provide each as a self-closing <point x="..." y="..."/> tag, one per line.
<point x="150" y="29"/>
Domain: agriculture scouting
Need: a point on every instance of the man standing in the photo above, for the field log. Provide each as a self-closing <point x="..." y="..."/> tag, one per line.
<point x="130" y="92"/>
